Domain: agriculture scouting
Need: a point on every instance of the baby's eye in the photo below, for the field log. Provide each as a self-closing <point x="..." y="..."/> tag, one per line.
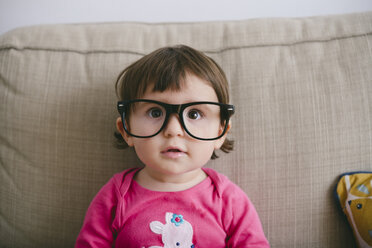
<point x="194" y="114"/>
<point x="155" y="113"/>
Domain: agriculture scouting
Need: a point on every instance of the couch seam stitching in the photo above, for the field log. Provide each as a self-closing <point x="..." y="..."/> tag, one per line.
<point x="219" y="50"/>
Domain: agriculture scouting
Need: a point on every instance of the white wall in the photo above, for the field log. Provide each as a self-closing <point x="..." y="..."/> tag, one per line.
<point x="16" y="13"/>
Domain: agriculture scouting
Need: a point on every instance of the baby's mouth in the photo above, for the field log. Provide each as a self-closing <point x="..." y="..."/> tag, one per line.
<point x="173" y="152"/>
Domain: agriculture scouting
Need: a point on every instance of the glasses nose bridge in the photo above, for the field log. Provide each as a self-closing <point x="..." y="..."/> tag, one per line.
<point x="170" y="110"/>
<point x="174" y="109"/>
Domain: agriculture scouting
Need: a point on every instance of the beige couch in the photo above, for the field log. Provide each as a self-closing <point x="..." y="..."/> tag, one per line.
<point x="302" y="89"/>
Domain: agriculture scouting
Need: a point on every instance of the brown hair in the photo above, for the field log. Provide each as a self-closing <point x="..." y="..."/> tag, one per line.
<point x="167" y="68"/>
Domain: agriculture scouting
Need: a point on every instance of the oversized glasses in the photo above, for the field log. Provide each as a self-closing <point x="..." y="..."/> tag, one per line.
<point x="144" y="118"/>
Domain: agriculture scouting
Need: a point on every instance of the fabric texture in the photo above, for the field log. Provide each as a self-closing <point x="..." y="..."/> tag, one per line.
<point x="215" y="213"/>
<point x="303" y="95"/>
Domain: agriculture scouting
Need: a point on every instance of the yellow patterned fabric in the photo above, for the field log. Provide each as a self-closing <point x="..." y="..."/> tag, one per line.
<point x="354" y="191"/>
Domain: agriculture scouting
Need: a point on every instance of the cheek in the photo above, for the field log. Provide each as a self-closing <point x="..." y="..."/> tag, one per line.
<point x="144" y="149"/>
<point x="202" y="152"/>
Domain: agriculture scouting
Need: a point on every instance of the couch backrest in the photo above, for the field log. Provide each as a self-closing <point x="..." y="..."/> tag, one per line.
<point x="303" y="94"/>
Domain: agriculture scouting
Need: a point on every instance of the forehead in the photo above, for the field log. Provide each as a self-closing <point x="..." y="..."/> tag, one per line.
<point x="190" y="89"/>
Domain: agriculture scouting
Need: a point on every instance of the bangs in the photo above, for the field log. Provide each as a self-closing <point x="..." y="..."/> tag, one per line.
<point x="166" y="71"/>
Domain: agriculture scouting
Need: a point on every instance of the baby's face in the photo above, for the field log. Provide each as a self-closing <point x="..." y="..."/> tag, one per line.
<point x="173" y="152"/>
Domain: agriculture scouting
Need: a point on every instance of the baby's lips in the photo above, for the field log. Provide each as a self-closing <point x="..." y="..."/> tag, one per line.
<point x="173" y="149"/>
<point x="173" y="152"/>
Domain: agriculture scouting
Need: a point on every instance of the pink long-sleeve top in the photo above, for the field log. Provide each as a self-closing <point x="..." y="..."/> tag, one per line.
<point x="215" y="213"/>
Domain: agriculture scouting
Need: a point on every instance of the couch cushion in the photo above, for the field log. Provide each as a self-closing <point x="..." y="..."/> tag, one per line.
<point x="301" y="86"/>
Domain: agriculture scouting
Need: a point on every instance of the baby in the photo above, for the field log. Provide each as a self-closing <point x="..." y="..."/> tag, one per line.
<point x="174" y="112"/>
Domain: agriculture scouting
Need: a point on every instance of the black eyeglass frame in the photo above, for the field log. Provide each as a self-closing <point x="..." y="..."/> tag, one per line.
<point x="227" y="110"/>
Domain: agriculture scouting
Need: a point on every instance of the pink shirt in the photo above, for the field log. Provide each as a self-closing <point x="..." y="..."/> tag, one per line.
<point x="215" y="213"/>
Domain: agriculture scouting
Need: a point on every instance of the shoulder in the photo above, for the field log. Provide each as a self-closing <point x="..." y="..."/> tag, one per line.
<point x="234" y="200"/>
<point x="224" y="186"/>
<point x="116" y="187"/>
<point x="122" y="181"/>
<point x="240" y="218"/>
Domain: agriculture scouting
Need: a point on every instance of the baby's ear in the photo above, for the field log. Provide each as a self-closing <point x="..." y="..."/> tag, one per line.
<point x="120" y="128"/>
<point x="218" y="143"/>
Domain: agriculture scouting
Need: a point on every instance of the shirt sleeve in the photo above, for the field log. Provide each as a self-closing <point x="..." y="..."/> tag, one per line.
<point x="97" y="229"/>
<point x="244" y="229"/>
